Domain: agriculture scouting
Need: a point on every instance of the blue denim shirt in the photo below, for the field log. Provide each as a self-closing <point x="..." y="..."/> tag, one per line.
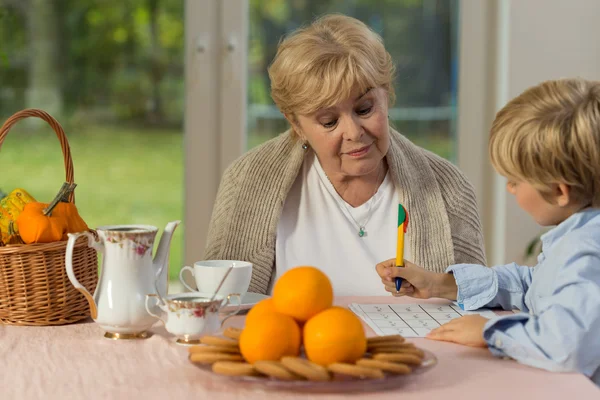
<point x="559" y="326"/>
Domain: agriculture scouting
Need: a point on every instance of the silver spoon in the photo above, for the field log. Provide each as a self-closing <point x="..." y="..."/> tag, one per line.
<point x="222" y="281"/>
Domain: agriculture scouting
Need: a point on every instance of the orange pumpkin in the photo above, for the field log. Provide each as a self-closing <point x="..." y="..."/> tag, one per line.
<point x="46" y="223"/>
<point x="36" y="225"/>
<point x="68" y="211"/>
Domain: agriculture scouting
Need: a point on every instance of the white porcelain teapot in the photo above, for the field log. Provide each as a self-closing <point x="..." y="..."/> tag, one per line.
<point x="128" y="275"/>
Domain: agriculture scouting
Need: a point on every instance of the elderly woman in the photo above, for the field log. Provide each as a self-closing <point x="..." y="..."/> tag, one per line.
<point x="326" y="192"/>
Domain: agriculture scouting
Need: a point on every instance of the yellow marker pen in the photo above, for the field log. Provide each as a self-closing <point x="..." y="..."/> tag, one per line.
<point x="402" y="226"/>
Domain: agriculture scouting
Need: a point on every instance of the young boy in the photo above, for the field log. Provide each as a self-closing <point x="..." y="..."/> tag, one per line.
<point x="546" y="142"/>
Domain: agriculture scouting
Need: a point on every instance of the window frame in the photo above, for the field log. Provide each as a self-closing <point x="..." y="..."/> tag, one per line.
<point x="216" y="107"/>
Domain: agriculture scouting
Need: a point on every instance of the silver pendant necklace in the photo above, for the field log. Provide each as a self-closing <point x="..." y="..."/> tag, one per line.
<point x="362" y="230"/>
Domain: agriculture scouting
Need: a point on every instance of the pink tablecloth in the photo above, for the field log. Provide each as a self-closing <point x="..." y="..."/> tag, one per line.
<point x="77" y="362"/>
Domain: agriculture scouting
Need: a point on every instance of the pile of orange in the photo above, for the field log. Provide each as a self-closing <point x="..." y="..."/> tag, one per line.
<point x="301" y="313"/>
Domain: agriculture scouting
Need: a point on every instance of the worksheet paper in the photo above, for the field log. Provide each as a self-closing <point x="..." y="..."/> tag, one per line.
<point x="410" y="319"/>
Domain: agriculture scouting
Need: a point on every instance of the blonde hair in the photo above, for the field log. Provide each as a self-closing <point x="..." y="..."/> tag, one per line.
<point x="550" y="134"/>
<point x="319" y="65"/>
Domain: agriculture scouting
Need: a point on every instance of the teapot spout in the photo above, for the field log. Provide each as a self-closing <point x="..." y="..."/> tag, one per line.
<point x="161" y="258"/>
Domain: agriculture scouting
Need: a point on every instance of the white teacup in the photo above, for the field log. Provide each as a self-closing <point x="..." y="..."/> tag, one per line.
<point x="190" y="316"/>
<point x="208" y="275"/>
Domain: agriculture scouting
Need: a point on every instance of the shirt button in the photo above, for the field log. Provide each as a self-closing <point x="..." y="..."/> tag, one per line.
<point x="498" y="343"/>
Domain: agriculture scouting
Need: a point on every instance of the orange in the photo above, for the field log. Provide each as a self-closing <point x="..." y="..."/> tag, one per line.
<point x="270" y="336"/>
<point x="334" y="335"/>
<point x="263" y="306"/>
<point x="302" y="292"/>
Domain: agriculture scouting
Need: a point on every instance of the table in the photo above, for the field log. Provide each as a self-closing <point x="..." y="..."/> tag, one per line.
<point x="76" y="362"/>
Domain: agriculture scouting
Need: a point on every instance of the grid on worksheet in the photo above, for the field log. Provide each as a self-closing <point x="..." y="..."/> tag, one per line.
<point x="410" y="319"/>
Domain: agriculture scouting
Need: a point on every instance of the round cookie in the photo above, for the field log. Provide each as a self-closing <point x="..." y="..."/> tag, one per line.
<point x="416" y="351"/>
<point x="276" y="370"/>
<point x="219" y="341"/>
<point x="232" y="333"/>
<point x="391" y="348"/>
<point x="407" y="350"/>
<point x="214" y="349"/>
<point x="388" y="338"/>
<point x="306" y="369"/>
<point x="232" y="368"/>
<point x="396" y="368"/>
<point x="404" y="358"/>
<point x="356" y="370"/>
<point x="395" y="344"/>
<point x="210" y="358"/>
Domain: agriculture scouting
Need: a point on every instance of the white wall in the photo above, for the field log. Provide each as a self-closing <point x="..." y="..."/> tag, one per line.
<point x="528" y="41"/>
<point x="549" y="39"/>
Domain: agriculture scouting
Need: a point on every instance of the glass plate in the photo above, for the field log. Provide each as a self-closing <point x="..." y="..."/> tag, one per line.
<point x="339" y="383"/>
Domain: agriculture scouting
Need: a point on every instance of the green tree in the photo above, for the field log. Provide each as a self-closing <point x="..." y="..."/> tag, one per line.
<point x="156" y="61"/>
<point x="97" y="58"/>
<point x="44" y="88"/>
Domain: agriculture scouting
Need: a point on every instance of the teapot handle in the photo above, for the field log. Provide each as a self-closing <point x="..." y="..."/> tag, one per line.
<point x="155" y="296"/>
<point x="71" y="274"/>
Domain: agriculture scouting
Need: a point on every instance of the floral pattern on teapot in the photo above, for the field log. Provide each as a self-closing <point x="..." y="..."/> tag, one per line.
<point x="140" y="243"/>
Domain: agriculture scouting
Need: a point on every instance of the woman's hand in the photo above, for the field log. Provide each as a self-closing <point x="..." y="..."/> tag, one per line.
<point x="467" y="330"/>
<point x="416" y="281"/>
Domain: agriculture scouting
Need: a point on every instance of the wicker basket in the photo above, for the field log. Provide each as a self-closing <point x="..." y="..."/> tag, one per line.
<point x="34" y="286"/>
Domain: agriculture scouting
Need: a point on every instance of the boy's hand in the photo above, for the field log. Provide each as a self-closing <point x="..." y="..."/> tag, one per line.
<point x="467" y="330"/>
<point x="416" y="281"/>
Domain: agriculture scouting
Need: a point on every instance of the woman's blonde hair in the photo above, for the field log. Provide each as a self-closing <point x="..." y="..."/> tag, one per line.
<point x="319" y="65"/>
<point x="550" y="134"/>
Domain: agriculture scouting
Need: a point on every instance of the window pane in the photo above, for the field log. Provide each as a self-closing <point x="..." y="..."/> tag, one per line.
<point x="419" y="34"/>
<point x="111" y="72"/>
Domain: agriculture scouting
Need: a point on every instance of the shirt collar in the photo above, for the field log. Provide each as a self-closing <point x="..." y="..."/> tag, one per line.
<point x="575" y="221"/>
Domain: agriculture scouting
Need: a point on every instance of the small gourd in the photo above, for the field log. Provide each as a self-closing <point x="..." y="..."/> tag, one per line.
<point x="13" y="235"/>
<point x="5" y="220"/>
<point x="10" y="208"/>
<point x="75" y="223"/>
<point x="14" y="203"/>
<point x="68" y="211"/>
<point x="38" y="223"/>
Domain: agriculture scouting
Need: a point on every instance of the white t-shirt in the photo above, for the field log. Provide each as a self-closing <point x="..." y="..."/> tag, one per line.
<point x="317" y="228"/>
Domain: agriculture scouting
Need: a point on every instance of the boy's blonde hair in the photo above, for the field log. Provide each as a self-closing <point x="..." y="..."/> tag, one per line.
<point x="326" y="62"/>
<point x="550" y="134"/>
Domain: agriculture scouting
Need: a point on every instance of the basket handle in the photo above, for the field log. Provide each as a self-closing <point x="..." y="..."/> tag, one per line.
<point x="60" y="133"/>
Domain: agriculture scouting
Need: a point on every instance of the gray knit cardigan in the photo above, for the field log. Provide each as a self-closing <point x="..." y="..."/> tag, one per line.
<point x="444" y="223"/>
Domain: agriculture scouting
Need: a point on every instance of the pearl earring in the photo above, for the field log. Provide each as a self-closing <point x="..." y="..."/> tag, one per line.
<point x="304" y="146"/>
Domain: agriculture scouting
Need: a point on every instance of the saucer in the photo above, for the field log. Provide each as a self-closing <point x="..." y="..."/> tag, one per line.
<point x="248" y="300"/>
